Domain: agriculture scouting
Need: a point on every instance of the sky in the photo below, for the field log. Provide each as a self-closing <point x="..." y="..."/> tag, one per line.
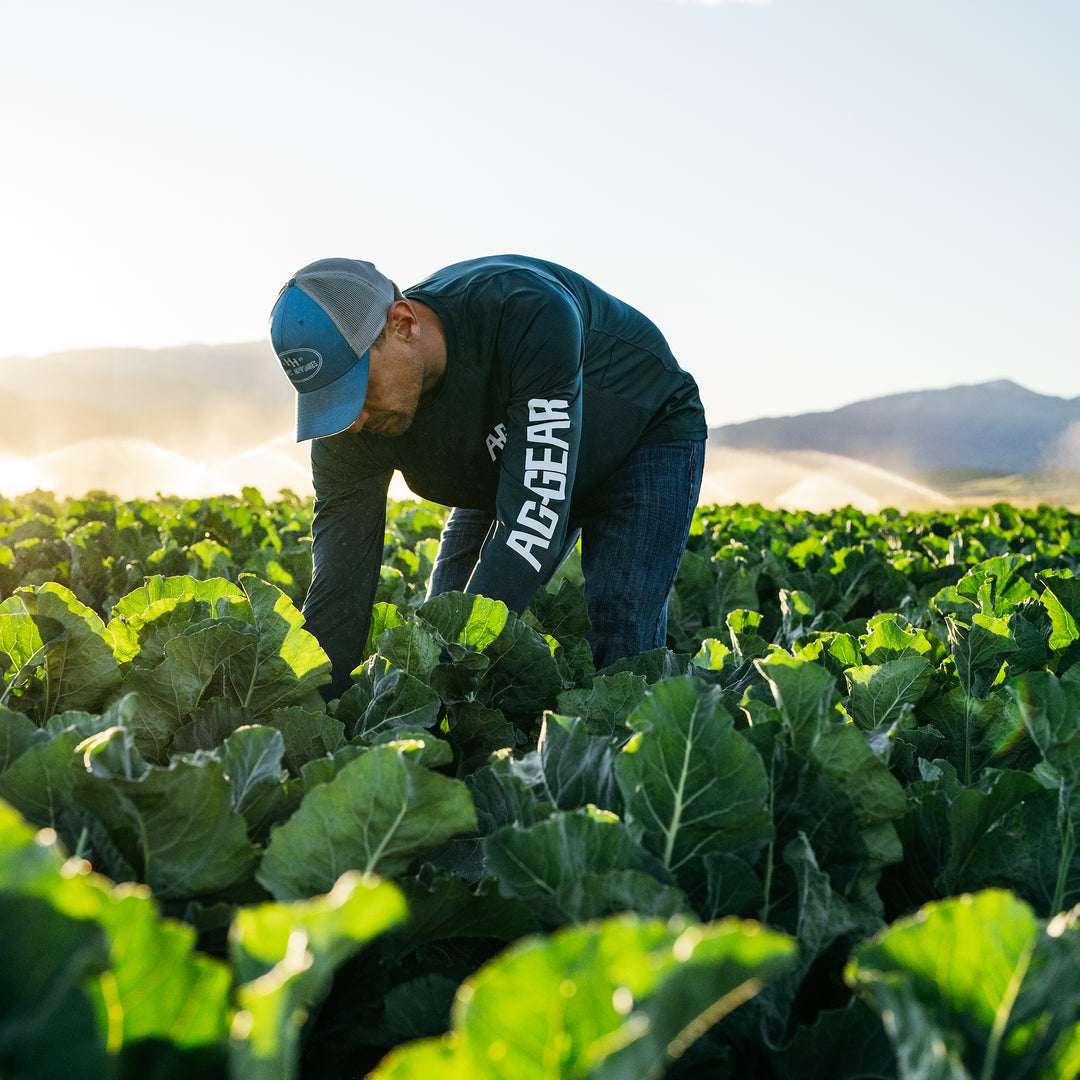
<point x="818" y="201"/>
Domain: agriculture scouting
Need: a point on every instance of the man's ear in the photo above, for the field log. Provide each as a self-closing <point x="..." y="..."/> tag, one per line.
<point x="401" y="320"/>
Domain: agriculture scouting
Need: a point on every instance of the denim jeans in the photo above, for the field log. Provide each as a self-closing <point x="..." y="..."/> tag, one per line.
<point x="633" y="534"/>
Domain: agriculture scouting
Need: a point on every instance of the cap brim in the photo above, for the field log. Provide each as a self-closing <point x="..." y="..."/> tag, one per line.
<point x="334" y="407"/>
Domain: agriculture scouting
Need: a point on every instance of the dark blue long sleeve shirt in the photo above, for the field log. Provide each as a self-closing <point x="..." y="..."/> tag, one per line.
<point x="550" y="382"/>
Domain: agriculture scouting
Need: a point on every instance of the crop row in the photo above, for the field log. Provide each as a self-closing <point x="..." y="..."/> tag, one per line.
<point x="830" y="831"/>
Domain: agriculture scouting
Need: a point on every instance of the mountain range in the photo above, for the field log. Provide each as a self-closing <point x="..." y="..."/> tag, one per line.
<point x="215" y="404"/>
<point x="995" y="426"/>
<point x="206" y="401"/>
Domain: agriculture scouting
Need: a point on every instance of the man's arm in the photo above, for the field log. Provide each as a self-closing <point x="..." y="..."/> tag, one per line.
<point x="347" y="545"/>
<point x="541" y="349"/>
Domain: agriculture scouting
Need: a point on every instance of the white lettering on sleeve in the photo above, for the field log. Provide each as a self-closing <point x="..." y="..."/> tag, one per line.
<point x="541" y="410"/>
<point x="548" y="485"/>
<point x="543" y="459"/>
<point x="523" y="543"/>
<point x="546" y="460"/>
<point x="543" y="433"/>
<point x="543" y="522"/>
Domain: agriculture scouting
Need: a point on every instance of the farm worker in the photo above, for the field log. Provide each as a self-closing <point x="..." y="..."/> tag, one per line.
<point x="534" y="404"/>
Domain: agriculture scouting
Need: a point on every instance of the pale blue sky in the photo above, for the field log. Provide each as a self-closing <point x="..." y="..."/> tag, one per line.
<point x="817" y="200"/>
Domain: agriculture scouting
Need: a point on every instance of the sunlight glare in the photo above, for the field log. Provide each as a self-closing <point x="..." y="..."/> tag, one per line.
<point x="18" y="476"/>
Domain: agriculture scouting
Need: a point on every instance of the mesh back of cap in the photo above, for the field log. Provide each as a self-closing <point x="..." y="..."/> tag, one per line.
<point x="355" y="296"/>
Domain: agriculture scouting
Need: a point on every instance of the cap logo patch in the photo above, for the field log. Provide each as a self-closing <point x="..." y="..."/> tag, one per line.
<point x="301" y="365"/>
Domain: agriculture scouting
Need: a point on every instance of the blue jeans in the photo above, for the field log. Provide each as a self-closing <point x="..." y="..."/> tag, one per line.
<point x="633" y="534"/>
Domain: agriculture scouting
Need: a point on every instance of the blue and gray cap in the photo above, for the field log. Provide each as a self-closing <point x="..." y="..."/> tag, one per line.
<point x="322" y="327"/>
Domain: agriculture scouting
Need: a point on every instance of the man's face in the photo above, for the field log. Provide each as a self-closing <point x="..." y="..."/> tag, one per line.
<point x="395" y="382"/>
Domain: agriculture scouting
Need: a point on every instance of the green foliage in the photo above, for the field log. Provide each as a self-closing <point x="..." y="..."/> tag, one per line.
<point x="972" y="987"/>
<point x="91" y="971"/>
<point x="606" y="1000"/>
<point x="845" y="800"/>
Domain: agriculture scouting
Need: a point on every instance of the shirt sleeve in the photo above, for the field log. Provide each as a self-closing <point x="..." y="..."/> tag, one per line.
<point x="540" y="347"/>
<point x="347" y="544"/>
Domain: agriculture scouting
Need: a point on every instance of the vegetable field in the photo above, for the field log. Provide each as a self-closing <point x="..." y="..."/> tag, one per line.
<point x="830" y="832"/>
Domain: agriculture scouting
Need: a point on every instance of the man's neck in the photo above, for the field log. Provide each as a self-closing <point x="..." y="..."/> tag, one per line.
<point x="433" y="345"/>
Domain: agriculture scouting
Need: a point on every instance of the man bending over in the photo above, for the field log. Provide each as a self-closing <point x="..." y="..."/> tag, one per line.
<point x="536" y="405"/>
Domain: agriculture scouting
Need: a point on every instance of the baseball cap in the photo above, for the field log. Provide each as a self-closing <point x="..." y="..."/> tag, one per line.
<point x="322" y="326"/>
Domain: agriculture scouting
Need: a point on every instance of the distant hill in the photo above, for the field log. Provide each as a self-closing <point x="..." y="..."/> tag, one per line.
<point x="977" y="487"/>
<point x="205" y="401"/>
<point x="995" y="426"/>
<point x="214" y="417"/>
